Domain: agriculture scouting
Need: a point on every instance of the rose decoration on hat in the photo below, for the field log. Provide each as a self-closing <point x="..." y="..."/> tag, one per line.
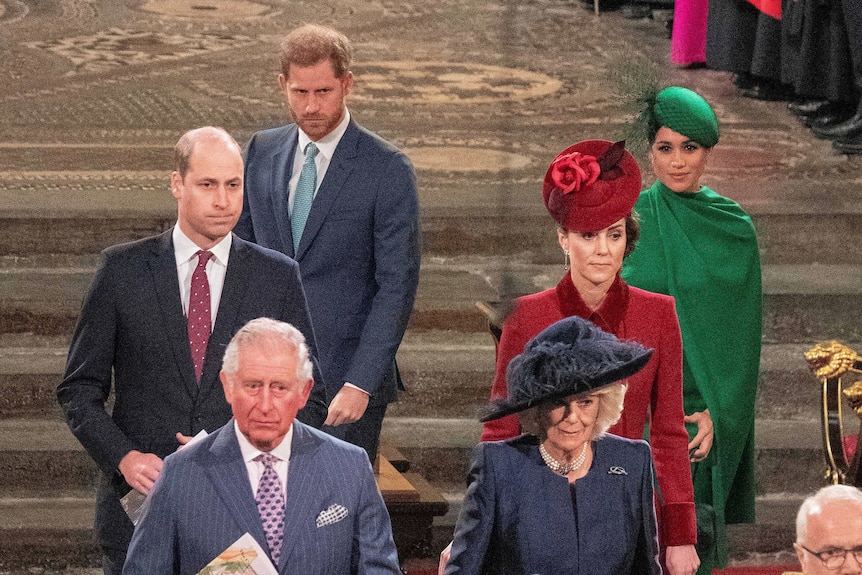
<point x="569" y="172"/>
<point x="591" y="185"/>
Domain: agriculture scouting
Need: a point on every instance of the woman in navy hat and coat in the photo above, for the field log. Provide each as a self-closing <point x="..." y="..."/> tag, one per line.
<point x="566" y="498"/>
<point x="589" y="190"/>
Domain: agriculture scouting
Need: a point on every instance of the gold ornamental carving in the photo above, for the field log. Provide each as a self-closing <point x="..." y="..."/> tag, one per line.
<point x="831" y="362"/>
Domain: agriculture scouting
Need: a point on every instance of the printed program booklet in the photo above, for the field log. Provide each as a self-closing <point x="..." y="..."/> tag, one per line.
<point x="243" y="557"/>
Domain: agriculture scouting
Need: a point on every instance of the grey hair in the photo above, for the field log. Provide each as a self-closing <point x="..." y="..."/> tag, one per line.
<point x="814" y="502"/>
<point x="266" y="332"/>
<point x="537" y="419"/>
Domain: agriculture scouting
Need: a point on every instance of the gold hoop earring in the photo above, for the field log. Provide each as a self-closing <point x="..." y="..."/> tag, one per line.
<point x="567" y="261"/>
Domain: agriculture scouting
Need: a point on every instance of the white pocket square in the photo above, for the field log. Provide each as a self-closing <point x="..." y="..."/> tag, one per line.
<point x="333" y="514"/>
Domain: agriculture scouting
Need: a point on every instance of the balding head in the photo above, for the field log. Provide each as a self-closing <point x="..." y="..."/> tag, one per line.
<point x="186" y="145"/>
<point x="830" y="520"/>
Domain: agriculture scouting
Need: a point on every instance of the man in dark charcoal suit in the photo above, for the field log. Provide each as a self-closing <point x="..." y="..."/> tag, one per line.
<point x="159" y="314"/>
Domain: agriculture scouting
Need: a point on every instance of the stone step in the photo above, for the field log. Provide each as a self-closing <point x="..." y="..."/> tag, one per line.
<point x="84" y="211"/>
<point x="437" y="366"/>
<point x="439" y="450"/>
<point x="39" y="457"/>
<point x="801" y="302"/>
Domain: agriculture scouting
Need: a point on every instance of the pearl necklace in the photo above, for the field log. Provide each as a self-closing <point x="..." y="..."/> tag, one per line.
<point x="563" y="468"/>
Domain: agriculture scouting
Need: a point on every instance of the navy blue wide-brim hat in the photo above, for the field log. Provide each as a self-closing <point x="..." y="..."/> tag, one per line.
<point x="570" y="357"/>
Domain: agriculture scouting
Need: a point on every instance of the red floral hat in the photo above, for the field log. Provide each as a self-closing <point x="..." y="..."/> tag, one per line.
<point x="591" y="184"/>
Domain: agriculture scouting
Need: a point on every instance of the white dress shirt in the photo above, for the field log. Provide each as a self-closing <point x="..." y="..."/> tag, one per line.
<point x="255" y="468"/>
<point x="187" y="261"/>
<point x="326" y="148"/>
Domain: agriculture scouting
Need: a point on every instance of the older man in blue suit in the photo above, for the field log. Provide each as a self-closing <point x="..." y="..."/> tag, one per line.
<point x="343" y="203"/>
<point x="308" y="499"/>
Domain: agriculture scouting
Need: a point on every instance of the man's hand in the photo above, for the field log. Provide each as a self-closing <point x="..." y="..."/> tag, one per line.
<point x="347" y="406"/>
<point x="141" y="470"/>
<point x="183" y="439"/>
<point x="699" y="447"/>
<point x="444" y="558"/>
<point x="681" y="560"/>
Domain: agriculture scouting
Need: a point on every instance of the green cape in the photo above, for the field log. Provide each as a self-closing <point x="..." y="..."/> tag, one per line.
<point x="702" y="249"/>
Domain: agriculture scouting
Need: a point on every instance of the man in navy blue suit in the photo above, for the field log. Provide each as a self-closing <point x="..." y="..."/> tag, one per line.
<point x="133" y="325"/>
<point x="343" y="203"/>
<point x="309" y="500"/>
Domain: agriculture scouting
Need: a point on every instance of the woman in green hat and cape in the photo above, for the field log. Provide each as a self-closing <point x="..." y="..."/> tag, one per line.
<point x="701" y="248"/>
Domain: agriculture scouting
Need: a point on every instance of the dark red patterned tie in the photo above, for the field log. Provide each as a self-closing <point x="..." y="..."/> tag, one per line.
<point x="200" y="319"/>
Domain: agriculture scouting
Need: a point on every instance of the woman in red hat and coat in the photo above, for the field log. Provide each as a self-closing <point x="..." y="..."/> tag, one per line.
<point x="589" y="190"/>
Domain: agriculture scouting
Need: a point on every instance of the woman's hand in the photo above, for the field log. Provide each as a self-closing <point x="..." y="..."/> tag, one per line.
<point x="682" y="559"/>
<point x="699" y="447"/>
<point x="444" y="558"/>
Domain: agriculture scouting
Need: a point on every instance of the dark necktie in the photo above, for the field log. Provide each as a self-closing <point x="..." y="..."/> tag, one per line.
<point x="270" y="505"/>
<point x="200" y="318"/>
<point x="303" y="195"/>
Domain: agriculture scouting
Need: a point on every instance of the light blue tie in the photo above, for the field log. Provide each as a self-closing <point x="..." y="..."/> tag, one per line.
<point x="304" y="194"/>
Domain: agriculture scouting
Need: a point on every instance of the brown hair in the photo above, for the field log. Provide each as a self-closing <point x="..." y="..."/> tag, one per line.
<point x="310" y="44"/>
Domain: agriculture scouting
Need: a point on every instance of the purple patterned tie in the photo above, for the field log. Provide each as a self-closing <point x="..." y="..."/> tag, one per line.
<point x="200" y="318"/>
<point x="270" y="505"/>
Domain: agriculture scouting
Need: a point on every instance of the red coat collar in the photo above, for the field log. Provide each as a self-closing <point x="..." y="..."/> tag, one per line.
<point x="608" y="316"/>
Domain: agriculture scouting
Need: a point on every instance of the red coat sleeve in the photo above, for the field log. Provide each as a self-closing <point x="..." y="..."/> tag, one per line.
<point x="512" y="343"/>
<point x="669" y="438"/>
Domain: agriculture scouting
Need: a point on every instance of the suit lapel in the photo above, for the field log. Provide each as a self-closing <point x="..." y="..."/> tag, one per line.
<point x="281" y="170"/>
<point x="303" y="496"/>
<point x="163" y="266"/>
<point x="226" y="469"/>
<point x="330" y="188"/>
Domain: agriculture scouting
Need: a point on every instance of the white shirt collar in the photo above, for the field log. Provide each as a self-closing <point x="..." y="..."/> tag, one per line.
<point x="249" y="451"/>
<point x="185" y="249"/>
<point x="327" y="144"/>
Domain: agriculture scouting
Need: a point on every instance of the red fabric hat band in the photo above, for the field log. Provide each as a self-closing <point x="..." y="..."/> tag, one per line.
<point x="589" y="185"/>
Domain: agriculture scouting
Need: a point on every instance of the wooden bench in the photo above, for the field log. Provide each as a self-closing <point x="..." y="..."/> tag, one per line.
<point x="413" y="503"/>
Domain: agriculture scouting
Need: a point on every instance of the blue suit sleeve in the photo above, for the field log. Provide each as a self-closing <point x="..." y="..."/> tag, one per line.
<point x="396" y="260"/>
<point x="646" y="560"/>
<point x="475" y="525"/>
<point x="376" y="554"/>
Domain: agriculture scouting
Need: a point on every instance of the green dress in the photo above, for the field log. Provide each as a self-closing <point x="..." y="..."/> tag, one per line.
<point x="701" y="248"/>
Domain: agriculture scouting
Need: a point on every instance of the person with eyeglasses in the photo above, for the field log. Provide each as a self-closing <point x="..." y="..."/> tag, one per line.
<point x="829" y="532"/>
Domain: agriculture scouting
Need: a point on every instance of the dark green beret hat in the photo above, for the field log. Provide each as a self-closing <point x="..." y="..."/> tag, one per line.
<point x="686" y="112"/>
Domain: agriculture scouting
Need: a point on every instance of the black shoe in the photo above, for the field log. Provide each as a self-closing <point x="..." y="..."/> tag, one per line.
<point x="830" y="116"/>
<point x="768" y="91"/>
<point x="852" y="146"/>
<point x="849" y="128"/>
<point x="636" y="11"/>
<point x="604" y="5"/>
<point x="809" y="107"/>
<point x="744" y="81"/>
